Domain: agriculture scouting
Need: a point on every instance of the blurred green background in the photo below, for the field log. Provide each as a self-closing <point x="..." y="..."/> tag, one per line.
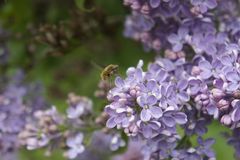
<point x="83" y="34"/>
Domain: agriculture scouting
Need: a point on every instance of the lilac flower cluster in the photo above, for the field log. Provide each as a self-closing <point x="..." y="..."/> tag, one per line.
<point x="50" y="129"/>
<point x="197" y="121"/>
<point x="149" y="103"/>
<point x="196" y="91"/>
<point x="214" y="85"/>
<point x="202" y="151"/>
<point x="175" y="24"/>
<point x="40" y="132"/>
<point x="12" y="116"/>
<point x="15" y="110"/>
<point x="192" y="92"/>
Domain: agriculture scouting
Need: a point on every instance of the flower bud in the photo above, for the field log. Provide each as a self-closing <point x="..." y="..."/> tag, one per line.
<point x="223" y="104"/>
<point x="217" y="93"/>
<point x="156" y="44"/>
<point x="226" y="120"/>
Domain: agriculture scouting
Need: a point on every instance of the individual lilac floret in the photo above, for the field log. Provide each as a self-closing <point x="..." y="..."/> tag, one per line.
<point x="204" y="5"/>
<point x="116" y="142"/>
<point x="78" y="106"/>
<point x="75" y="145"/>
<point x="149" y="109"/>
<point x="233" y="78"/>
<point x="204" y="43"/>
<point x="145" y="103"/>
<point x="177" y="40"/>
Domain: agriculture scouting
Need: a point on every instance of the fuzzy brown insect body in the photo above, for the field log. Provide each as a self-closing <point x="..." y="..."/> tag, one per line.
<point x="109" y="71"/>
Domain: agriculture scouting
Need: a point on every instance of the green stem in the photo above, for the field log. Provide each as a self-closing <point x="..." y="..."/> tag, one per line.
<point x="183" y="142"/>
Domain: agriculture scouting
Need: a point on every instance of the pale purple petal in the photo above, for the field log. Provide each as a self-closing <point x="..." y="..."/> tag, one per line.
<point x="119" y="82"/>
<point x="211" y="3"/>
<point x="151" y="84"/>
<point x="147" y="132"/>
<point x="71" y="154"/>
<point x="236" y="114"/>
<point x="233" y="76"/>
<point x="180" y="118"/>
<point x="173" y="38"/>
<point x="155" y="125"/>
<point x="169" y="121"/>
<point x="156" y="112"/>
<point x="233" y="86"/>
<point x="205" y="64"/>
<point x="154" y="3"/>
<point x="111" y="123"/>
<point x="182" y="84"/>
<point x="183" y="96"/>
<point x="205" y="74"/>
<point x="141" y="101"/>
<point x="151" y="100"/>
<point x="182" y="32"/>
<point x="177" y="47"/>
<point x="145" y="115"/>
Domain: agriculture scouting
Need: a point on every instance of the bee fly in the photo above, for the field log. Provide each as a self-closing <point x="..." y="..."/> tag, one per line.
<point x="109" y="71"/>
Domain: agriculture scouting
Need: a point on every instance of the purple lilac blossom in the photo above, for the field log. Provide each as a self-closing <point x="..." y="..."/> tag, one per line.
<point x="148" y="100"/>
<point x="116" y="142"/>
<point x="169" y="148"/>
<point x="16" y="108"/>
<point x="197" y="122"/>
<point x="204" y="5"/>
<point x="202" y="151"/>
<point x="78" y="106"/>
<point x="41" y="129"/>
<point x="148" y="105"/>
<point x="50" y="129"/>
<point x="74" y="143"/>
<point x="109" y="143"/>
<point x="174" y="24"/>
<point x="214" y="85"/>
